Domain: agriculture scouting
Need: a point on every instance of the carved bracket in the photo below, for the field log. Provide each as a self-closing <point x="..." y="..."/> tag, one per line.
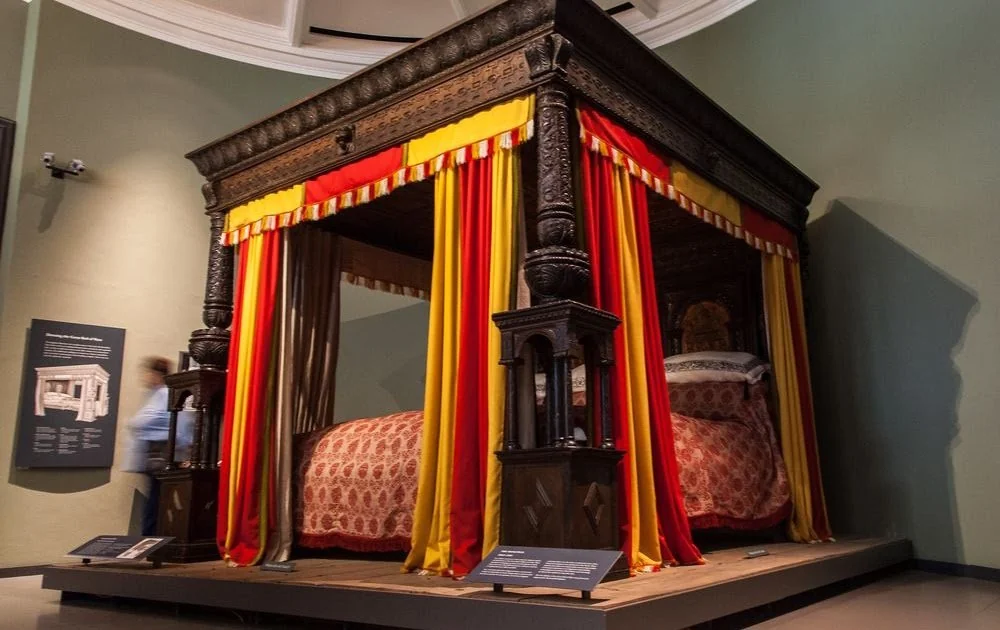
<point x="208" y="192"/>
<point x="549" y="53"/>
<point x="344" y="137"/>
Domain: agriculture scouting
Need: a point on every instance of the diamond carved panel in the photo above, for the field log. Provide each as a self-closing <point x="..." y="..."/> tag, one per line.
<point x="593" y="507"/>
<point x="539" y="509"/>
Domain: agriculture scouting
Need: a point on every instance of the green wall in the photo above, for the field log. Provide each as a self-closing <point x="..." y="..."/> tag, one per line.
<point x="13" y="20"/>
<point x="893" y="107"/>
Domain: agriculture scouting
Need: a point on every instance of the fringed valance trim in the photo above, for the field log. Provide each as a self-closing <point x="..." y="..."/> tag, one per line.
<point x="286" y="217"/>
<point x="384" y="286"/>
<point x="667" y="189"/>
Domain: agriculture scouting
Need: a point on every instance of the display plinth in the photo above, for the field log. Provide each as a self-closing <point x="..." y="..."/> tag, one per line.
<point x="188" y="508"/>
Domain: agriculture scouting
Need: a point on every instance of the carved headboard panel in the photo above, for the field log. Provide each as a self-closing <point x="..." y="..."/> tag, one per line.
<point x="709" y="286"/>
<point x="705" y="325"/>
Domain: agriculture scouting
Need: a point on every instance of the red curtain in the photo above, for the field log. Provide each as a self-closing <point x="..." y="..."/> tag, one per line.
<point x="674" y="530"/>
<point x="245" y="497"/>
<point x="472" y="410"/>
<point x="603" y="246"/>
<point x="605" y="243"/>
<point x="631" y="144"/>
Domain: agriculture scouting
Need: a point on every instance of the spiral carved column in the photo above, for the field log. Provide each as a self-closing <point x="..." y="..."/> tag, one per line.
<point x="210" y="346"/>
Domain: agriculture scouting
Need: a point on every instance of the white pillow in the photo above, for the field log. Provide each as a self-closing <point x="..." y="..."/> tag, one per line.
<point x="701" y="367"/>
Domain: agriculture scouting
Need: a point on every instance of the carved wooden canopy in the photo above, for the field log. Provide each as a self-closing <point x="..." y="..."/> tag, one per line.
<point x="508" y="49"/>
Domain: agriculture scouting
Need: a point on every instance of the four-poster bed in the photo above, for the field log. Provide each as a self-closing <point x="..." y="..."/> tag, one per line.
<point x="534" y="147"/>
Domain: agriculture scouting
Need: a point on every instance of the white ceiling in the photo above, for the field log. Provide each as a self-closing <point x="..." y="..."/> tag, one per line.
<point x="275" y="33"/>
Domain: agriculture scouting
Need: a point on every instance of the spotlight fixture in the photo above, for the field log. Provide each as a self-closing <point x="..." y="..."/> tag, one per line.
<point x="75" y="166"/>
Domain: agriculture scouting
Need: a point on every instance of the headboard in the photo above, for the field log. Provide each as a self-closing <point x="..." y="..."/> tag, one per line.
<point x="709" y="286"/>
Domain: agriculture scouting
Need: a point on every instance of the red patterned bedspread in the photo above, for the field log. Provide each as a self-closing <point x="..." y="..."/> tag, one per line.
<point x="731" y="471"/>
<point x="356" y="484"/>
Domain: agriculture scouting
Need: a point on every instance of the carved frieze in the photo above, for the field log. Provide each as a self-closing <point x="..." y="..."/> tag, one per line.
<point x="411" y="69"/>
<point x="466" y="92"/>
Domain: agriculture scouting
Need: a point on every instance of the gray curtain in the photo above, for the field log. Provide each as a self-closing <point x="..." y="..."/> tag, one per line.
<point x="308" y="339"/>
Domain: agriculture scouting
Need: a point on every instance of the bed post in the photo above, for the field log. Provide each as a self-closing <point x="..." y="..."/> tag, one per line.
<point x="558" y="269"/>
<point x="188" y="495"/>
<point x="562" y="494"/>
<point x="210" y="346"/>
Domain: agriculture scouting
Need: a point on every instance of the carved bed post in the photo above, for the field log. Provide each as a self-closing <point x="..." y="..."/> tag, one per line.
<point x="210" y="347"/>
<point x="188" y="496"/>
<point x="562" y="494"/>
<point x="557" y="270"/>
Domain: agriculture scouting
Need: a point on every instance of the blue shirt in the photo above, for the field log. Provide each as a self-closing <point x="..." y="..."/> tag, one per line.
<point x="152" y="424"/>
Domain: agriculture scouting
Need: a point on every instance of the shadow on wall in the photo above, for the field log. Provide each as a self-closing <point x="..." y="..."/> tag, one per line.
<point x="381" y="363"/>
<point x="885" y="326"/>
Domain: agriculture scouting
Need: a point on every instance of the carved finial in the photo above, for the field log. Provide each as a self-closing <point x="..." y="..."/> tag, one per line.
<point x="547" y="54"/>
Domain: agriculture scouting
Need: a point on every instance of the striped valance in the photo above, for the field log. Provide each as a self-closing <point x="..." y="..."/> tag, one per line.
<point x="477" y="136"/>
<point x="691" y="192"/>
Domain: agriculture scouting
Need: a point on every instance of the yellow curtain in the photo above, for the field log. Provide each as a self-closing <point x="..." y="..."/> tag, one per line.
<point x="251" y="249"/>
<point x="486" y="124"/>
<point x="506" y="172"/>
<point x="798" y="443"/>
<point x="431" y="536"/>
<point x="645" y="537"/>
<point x="706" y="194"/>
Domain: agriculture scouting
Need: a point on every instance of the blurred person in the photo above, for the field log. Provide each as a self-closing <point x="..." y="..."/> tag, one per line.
<point x="148" y="432"/>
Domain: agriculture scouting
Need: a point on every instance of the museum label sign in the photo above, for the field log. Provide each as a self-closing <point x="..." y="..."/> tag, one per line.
<point x="70" y="389"/>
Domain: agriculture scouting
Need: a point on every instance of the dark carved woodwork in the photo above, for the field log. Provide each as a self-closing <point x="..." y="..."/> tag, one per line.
<point x="409" y="71"/>
<point x="205" y="389"/>
<point x="557" y="497"/>
<point x="210" y="346"/>
<point x="695" y="262"/>
<point x="474" y="89"/>
<point x="187" y="511"/>
<point x="566" y="326"/>
<point x="188" y="494"/>
<point x="557" y="269"/>
<point x="489" y="57"/>
<point x="344" y="138"/>
<point x="548" y="54"/>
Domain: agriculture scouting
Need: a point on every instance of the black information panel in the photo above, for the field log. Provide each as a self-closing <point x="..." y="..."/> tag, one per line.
<point x="573" y="569"/>
<point x="120" y="547"/>
<point x="70" y="389"/>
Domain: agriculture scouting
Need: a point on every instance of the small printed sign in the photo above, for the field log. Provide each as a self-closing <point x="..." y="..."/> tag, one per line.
<point x="120" y="547"/>
<point x="572" y="569"/>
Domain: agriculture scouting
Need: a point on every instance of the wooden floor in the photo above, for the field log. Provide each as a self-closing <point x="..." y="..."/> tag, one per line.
<point x="375" y="592"/>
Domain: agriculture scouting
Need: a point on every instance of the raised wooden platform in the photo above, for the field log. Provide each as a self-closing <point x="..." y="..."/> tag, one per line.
<point x="375" y="592"/>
